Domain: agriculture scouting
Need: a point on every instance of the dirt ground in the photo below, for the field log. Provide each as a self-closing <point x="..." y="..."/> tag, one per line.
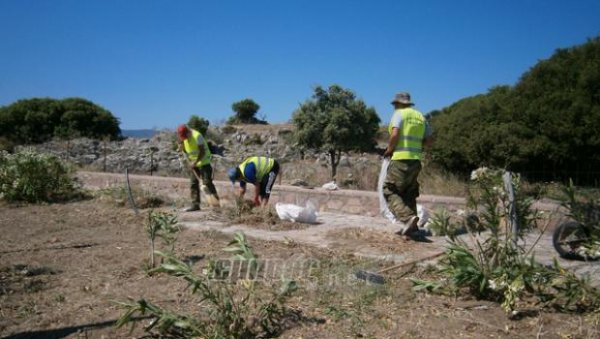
<point x="63" y="267"/>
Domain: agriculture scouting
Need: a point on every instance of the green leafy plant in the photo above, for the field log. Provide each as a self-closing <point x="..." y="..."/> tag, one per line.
<point x="242" y="251"/>
<point x="164" y="226"/>
<point x="36" y="177"/>
<point x="440" y="223"/>
<point x="229" y="310"/>
<point x="492" y="266"/>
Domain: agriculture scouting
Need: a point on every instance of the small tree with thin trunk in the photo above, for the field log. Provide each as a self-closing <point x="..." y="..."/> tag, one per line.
<point x="335" y="121"/>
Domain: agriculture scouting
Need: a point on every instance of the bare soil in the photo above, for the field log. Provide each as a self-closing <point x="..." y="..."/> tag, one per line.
<point x="63" y="266"/>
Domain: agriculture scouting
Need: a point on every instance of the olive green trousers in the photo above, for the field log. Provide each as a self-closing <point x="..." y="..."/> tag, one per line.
<point x="401" y="188"/>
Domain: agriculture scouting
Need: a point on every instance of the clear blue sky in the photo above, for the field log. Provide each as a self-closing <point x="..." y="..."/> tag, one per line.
<point x="154" y="63"/>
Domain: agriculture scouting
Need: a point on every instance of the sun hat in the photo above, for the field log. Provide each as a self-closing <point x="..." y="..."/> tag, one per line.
<point x="403" y="98"/>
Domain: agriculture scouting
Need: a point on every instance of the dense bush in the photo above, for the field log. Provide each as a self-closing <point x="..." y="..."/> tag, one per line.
<point x="545" y="126"/>
<point x="40" y="119"/>
<point x="34" y="177"/>
<point x="245" y="113"/>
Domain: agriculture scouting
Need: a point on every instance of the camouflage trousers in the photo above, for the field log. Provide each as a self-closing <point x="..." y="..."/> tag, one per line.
<point x="206" y="174"/>
<point x="401" y="188"/>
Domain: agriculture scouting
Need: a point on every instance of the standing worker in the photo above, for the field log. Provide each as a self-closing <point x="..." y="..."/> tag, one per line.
<point x="409" y="133"/>
<point x="260" y="171"/>
<point x="193" y="144"/>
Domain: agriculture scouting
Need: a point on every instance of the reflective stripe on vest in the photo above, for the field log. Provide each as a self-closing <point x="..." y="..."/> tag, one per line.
<point x="263" y="166"/>
<point x="411" y="132"/>
<point x="190" y="146"/>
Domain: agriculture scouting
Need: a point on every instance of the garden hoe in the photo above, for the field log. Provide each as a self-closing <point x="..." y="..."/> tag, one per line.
<point x="377" y="277"/>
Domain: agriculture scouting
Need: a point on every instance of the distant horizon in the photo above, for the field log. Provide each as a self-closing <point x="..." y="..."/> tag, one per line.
<point x="153" y="64"/>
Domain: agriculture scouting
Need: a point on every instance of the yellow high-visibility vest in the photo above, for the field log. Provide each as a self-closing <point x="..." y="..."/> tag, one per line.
<point x="411" y="134"/>
<point x="190" y="146"/>
<point x="263" y="166"/>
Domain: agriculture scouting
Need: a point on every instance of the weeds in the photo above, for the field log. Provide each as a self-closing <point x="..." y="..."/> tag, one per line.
<point x="229" y="310"/>
<point x="493" y="267"/>
<point x="440" y="224"/>
<point x="164" y="226"/>
<point x="143" y="199"/>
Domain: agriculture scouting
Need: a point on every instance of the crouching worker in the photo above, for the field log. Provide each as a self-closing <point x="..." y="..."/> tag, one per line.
<point x="260" y="171"/>
<point x="193" y="144"/>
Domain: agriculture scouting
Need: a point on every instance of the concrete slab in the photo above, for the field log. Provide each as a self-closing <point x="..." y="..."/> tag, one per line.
<point x="373" y="238"/>
<point x="362" y="236"/>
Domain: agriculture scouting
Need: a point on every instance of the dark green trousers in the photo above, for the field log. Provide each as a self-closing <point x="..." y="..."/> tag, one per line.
<point x="206" y="174"/>
<point x="401" y="188"/>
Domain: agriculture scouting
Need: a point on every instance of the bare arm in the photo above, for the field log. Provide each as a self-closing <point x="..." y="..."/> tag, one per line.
<point x="242" y="191"/>
<point x="257" y="194"/>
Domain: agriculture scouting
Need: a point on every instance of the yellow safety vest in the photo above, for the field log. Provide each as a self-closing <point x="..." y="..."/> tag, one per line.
<point x="263" y="166"/>
<point x="190" y="146"/>
<point x="412" y="132"/>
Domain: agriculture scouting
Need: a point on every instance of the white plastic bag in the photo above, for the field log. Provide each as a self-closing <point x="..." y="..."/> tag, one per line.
<point x="423" y="215"/>
<point x="383" y="207"/>
<point x="330" y="186"/>
<point x="295" y="213"/>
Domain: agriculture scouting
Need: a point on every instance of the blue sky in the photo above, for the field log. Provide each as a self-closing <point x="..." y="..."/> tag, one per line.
<point x="154" y="63"/>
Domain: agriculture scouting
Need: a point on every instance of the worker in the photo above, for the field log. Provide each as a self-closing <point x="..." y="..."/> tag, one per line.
<point x="260" y="171"/>
<point x="409" y="134"/>
<point x="198" y="154"/>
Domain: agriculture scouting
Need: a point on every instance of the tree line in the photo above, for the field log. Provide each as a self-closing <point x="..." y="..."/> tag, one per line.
<point x="545" y="126"/>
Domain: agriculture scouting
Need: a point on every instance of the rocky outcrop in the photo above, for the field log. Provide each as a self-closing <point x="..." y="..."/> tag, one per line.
<point x="158" y="155"/>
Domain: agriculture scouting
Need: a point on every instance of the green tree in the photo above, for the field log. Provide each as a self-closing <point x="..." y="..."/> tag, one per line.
<point x="545" y="126"/>
<point x="245" y="111"/>
<point x="39" y="119"/>
<point x="335" y="121"/>
<point x="199" y="124"/>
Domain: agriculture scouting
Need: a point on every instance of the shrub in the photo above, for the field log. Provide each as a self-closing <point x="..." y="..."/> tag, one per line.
<point x="164" y="226"/>
<point x="228" y="309"/>
<point x="494" y="267"/>
<point x="36" y="177"/>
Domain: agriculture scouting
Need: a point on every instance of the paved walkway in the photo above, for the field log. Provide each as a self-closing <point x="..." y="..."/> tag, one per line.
<point x="329" y="232"/>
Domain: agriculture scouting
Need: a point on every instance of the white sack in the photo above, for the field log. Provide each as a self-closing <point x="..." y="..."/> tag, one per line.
<point x="295" y="213"/>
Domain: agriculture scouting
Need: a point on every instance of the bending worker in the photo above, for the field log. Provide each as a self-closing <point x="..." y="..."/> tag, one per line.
<point x="260" y="171"/>
<point x="193" y="144"/>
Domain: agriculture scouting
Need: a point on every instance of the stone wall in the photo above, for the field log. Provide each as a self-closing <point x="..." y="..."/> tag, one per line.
<point x="339" y="201"/>
<point x="342" y="201"/>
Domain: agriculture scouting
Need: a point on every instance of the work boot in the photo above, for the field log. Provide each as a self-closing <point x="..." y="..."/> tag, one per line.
<point x="410" y="226"/>
<point x="192" y="208"/>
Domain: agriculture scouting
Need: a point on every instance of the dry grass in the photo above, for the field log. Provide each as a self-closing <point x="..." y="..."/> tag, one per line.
<point x="364" y="176"/>
<point x="435" y="181"/>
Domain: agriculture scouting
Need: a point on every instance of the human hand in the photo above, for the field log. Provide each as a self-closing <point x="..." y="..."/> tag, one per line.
<point x="388" y="153"/>
<point x="256" y="202"/>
